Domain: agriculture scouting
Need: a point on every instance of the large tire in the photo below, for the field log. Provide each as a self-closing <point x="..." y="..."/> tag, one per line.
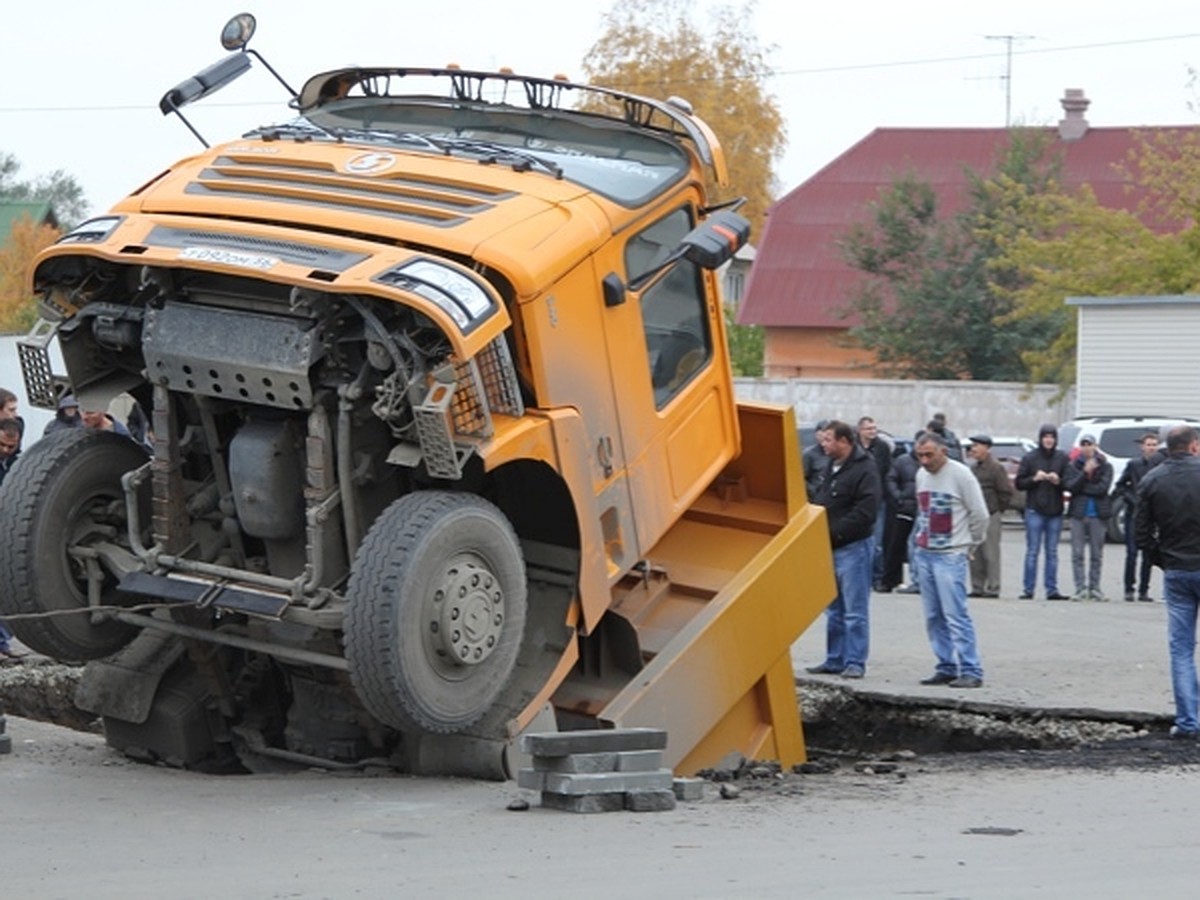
<point x="435" y="612"/>
<point x="65" y="490"/>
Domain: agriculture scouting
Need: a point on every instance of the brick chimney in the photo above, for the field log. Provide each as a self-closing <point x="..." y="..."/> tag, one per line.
<point x="1074" y="105"/>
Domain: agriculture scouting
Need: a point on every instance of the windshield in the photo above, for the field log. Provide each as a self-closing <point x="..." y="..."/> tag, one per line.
<point x="626" y="165"/>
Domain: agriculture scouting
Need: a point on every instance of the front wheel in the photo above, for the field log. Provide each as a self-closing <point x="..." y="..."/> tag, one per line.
<point x="64" y="495"/>
<point x="435" y="612"/>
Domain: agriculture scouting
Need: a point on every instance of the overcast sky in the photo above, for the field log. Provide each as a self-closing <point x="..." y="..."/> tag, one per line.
<point x="80" y="81"/>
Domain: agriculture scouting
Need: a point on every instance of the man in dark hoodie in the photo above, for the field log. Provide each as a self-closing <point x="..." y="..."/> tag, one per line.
<point x="1041" y="475"/>
<point x="851" y="494"/>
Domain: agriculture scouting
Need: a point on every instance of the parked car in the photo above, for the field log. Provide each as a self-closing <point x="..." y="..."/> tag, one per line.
<point x="1117" y="437"/>
<point x="1008" y="451"/>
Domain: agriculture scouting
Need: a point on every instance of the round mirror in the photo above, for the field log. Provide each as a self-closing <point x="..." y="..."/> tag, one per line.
<point x="237" y="32"/>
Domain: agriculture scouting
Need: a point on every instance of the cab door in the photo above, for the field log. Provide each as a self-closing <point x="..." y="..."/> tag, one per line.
<point x="671" y="377"/>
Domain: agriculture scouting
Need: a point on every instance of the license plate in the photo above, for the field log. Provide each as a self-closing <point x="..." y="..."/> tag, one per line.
<point x="228" y="258"/>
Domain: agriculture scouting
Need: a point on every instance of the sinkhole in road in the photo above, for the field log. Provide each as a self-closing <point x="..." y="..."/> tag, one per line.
<point x="835" y="718"/>
<point x="856" y="721"/>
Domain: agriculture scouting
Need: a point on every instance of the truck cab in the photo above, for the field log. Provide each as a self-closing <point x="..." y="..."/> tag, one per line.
<point x="434" y="368"/>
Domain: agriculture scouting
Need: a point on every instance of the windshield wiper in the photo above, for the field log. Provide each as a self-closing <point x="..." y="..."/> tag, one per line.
<point x="298" y="130"/>
<point x="307" y="130"/>
<point x="489" y="152"/>
<point x="521" y="160"/>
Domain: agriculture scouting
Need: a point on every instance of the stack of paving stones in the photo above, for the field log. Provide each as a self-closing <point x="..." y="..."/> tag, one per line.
<point x="603" y="771"/>
<point x="5" y="739"/>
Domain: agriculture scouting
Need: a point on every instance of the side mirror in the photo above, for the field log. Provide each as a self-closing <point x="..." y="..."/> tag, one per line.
<point x="709" y="245"/>
<point x="716" y="240"/>
<point x="237" y="32"/>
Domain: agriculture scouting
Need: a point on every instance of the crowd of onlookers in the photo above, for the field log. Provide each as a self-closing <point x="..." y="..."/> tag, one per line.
<point x="925" y="507"/>
<point x="942" y="515"/>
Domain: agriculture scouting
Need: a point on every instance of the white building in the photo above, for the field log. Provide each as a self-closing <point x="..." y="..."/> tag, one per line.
<point x="1138" y="356"/>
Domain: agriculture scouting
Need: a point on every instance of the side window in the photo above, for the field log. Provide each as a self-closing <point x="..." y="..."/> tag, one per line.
<point x="674" y="314"/>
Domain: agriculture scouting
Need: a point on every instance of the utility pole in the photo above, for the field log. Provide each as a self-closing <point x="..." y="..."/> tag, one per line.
<point x="1009" y="40"/>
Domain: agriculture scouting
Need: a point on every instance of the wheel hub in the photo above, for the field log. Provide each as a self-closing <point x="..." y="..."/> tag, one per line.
<point x="468" y="614"/>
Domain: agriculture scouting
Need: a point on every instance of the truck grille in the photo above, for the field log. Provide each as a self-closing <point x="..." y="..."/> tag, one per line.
<point x="402" y="195"/>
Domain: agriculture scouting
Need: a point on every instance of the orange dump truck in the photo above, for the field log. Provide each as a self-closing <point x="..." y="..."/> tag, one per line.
<point x="442" y="440"/>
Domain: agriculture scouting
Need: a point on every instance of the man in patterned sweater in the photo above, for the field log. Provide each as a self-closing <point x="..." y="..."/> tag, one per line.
<point x="952" y="519"/>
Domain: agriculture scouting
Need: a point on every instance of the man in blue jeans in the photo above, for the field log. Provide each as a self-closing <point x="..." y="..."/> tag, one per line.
<point x="851" y="494"/>
<point x="952" y="519"/>
<point x="1167" y="527"/>
<point x="1040" y="475"/>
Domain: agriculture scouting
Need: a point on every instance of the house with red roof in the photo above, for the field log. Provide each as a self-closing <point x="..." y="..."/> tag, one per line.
<point x="800" y="287"/>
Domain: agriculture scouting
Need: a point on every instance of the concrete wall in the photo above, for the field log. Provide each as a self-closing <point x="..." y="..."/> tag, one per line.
<point x="902" y="407"/>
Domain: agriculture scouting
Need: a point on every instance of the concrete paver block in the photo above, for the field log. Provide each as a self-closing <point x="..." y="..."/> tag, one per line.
<point x="689" y="789"/>
<point x="583" y="762"/>
<point x="586" y="803"/>
<point x="610" y="740"/>
<point x="606" y="782"/>
<point x="639" y="761"/>
<point x="649" y="801"/>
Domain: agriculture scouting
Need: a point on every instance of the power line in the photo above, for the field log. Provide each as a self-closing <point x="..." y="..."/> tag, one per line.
<point x="935" y="60"/>
<point x="769" y="73"/>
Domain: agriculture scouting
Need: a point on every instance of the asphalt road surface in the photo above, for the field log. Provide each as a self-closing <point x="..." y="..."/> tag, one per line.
<point x="78" y="821"/>
<point x="81" y="821"/>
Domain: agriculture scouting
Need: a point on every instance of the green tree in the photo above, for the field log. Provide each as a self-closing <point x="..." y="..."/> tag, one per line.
<point x="936" y="301"/>
<point x="1073" y="246"/>
<point x="64" y="193"/>
<point x="745" y="346"/>
<point x="654" y="48"/>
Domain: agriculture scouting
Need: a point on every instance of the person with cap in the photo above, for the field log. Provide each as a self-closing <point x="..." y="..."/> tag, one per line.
<point x="1040" y="475"/>
<point x="997" y="494"/>
<point x="1089" y="478"/>
<point x="1167" y="528"/>
<point x="65" y="417"/>
<point x="1127" y="485"/>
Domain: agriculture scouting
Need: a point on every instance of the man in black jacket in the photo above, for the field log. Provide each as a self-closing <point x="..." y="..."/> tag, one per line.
<point x="1167" y="525"/>
<point x="1127" y="485"/>
<point x="814" y="459"/>
<point x="850" y="493"/>
<point x="1040" y="475"/>
<point x="881" y="451"/>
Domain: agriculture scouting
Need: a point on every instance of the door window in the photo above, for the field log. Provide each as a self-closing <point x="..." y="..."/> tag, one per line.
<point x="674" y="307"/>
